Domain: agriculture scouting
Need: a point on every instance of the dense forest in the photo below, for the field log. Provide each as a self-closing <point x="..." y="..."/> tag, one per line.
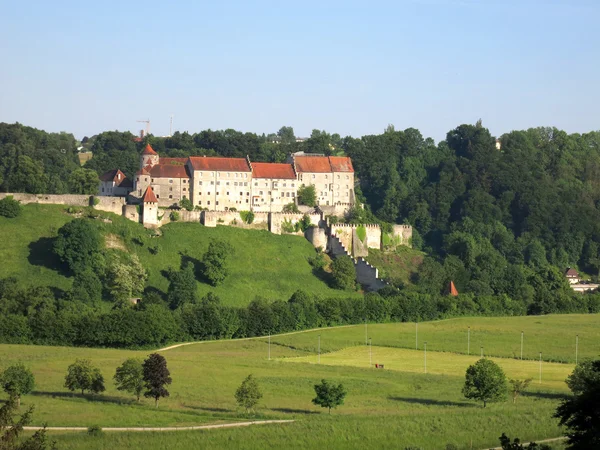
<point x="498" y="222"/>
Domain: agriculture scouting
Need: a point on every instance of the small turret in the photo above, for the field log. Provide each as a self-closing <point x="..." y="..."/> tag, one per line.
<point x="149" y="207"/>
<point x="148" y="157"/>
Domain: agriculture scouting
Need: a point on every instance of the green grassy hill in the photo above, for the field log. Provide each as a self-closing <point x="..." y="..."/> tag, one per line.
<point x="264" y="264"/>
<point x="396" y="267"/>
<point x="397" y="407"/>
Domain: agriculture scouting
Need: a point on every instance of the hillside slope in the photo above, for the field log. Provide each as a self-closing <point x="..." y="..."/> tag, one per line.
<point x="264" y="264"/>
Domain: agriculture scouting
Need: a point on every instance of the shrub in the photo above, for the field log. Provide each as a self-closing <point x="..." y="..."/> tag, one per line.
<point x="95" y="430"/>
<point x="215" y="261"/>
<point x="307" y="195"/>
<point x="9" y="207"/>
<point x="174" y="216"/>
<point x="186" y="203"/>
<point x="361" y="232"/>
<point x="287" y="226"/>
<point x="95" y="201"/>
<point x="247" y="216"/>
<point x="291" y="208"/>
<point x="343" y="272"/>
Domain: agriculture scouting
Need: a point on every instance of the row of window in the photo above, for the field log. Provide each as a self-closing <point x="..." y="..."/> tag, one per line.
<point x="326" y="176"/>
<point x="217" y="202"/>
<point x="237" y="175"/>
<point x="235" y="183"/>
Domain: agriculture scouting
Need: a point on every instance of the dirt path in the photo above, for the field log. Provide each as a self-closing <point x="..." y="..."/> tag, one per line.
<point x="198" y="427"/>
<point x="250" y="338"/>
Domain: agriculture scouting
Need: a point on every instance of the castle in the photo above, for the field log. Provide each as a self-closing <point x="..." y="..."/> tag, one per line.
<point x="223" y="184"/>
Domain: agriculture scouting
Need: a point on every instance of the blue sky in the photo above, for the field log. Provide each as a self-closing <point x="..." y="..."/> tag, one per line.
<point x="346" y="67"/>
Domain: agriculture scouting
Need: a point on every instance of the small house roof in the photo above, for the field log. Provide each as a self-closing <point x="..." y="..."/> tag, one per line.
<point x="169" y="171"/>
<point x="149" y="196"/>
<point x="571" y="273"/>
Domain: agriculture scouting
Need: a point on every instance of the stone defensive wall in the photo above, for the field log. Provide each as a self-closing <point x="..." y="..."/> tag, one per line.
<point x="233" y="218"/>
<point x="277" y="219"/>
<point x="109" y="204"/>
<point x="351" y="238"/>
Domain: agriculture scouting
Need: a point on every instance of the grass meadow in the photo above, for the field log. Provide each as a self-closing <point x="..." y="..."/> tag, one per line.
<point x="396" y="407"/>
<point x="264" y="264"/>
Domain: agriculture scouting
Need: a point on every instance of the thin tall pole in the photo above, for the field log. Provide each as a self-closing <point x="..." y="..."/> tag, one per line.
<point x="540" y="367"/>
<point x="521" y="345"/>
<point x="469" y="341"/>
<point x="370" y="353"/>
<point x="481" y="351"/>
<point x="319" y="349"/>
<point x="366" y="332"/>
<point x="269" y="346"/>
<point x="576" y="348"/>
<point x="425" y="345"/>
<point x="416" y="335"/>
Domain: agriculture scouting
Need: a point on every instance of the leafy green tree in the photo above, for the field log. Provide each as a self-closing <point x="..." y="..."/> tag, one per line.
<point x="248" y="394"/>
<point x="11" y="430"/>
<point x="82" y="375"/>
<point x="517" y="387"/>
<point x="9" y="207"/>
<point x="156" y="377"/>
<point x="307" y="195"/>
<point x="343" y="273"/>
<point x="87" y="287"/>
<point x="215" y="261"/>
<point x="17" y="380"/>
<point x="126" y="278"/>
<point x="83" y="181"/>
<point x="485" y="381"/>
<point x="287" y="135"/>
<point x="580" y="414"/>
<point x="182" y="288"/>
<point x="129" y="377"/>
<point x="186" y="203"/>
<point x="516" y="444"/>
<point x="329" y="395"/>
<point x="79" y="245"/>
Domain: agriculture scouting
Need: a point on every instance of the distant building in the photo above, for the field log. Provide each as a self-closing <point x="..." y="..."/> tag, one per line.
<point x="572" y="275"/>
<point x="114" y="183"/>
<point x="577" y="284"/>
<point x="221" y="184"/>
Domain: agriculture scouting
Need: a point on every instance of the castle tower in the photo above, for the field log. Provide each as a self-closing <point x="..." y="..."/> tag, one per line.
<point x="148" y="157"/>
<point x="149" y="208"/>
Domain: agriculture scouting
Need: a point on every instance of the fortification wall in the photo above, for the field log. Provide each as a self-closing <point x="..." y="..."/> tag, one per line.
<point x="233" y="218"/>
<point x="344" y="233"/>
<point x="368" y="276"/>
<point x="66" y="199"/>
<point x="110" y="204"/>
<point x="131" y="212"/>
<point x="338" y="210"/>
<point x="359" y="248"/>
<point x="403" y="234"/>
<point x="317" y="237"/>
<point x="336" y="248"/>
<point x="277" y="219"/>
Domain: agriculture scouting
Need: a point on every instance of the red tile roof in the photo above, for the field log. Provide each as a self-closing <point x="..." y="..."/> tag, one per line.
<point x="273" y="170"/>
<point x="149" y="196"/>
<point x="219" y="164"/>
<point x="453" y="290"/>
<point x="169" y="171"/>
<point x="341" y="164"/>
<point x="148" y="150"/>
<point x="323" y="164"/>
<point x="113" y="175"/>
<point x="571" y="273"/>
<point x="143" y="171"/>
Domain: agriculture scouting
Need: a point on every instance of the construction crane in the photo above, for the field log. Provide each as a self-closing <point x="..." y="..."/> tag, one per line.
<point x="147" y="122"/>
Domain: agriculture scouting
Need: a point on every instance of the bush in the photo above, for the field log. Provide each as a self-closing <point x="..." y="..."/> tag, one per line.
<point x="307" y="195"/>
<point x="247" y="216"/>
<point x="291" y="208"/>
<point x="9" y="207"/>
<point x="343" y="272"/>
<point x="174" y="216"/>
<point x="361" y="232"/>
<point x="215" y="261"/>
<point x="95" y="430"/>
<point x="186" y="203"/>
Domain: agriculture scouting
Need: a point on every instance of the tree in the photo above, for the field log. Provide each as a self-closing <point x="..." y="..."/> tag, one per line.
<point x="516" y="444"/>
<point x="84" y="376"/>
<point x="182" y="289"/>
<point x="517" y="387"/>
<point x="84" y="182"/>
<point x="9" y="207"/>
<point x="248" y="394"/>
<point x="485" y="381"/>
<point x="126" y="279"/>
<point x="11" y="429"/>
<point x="156" y="377"/>
<point x="17" y="380"/>
<point x="343" y="272"/>
<point x="129" y="377"/>
<point x="329" y="395"/>
<point x="87" y="287"/>
<point x="581" y="413"/>
<point x="307" y="195"/>
<point x="78" y="245"/>
<point x="186" y="203"/>
<point x="214" y="261"/>
<point x="287" y="135"/>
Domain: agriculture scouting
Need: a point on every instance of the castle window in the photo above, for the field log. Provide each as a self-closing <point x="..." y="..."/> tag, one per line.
<point x="200" y="173"/>
<point x="171" y="189"/>
<point x="145" y="179"/>
<point x="200" y="183"/>
<point x="247" y="194"/>
<point x="236" y="175"/>
<point x="228" y="193"/>
<point x="347" y="177"/>
<point x="235" y="184"/>
<point x="227" y="184"/>
<point x="245" y="175"/>
<point x="313" y="176"/>
<point x="293" y="185"/>
<point x="212" y="183"/>
<point x="199" y="202"/>
<point x="170" y="196"/>
<point x="218" y="183"/>
<point x="284" y="184"/>
<point x="171" y="181"/>
<point x="157" y="196"/>
<point x="247" y="201"/>
<point x="217" y="192"/>
<point x="219" y="174"/>
<point x="138" y="179"/>
<point x="325" y="176"/>
<point x="152" y="180"/>
<point x="208" y="202"/>
<point x="184" y="189"/>
<point x="338" y="177"/>
<point x="255" y="184"/>
<point x="241" y="193"/>
<point x="261" y="192"/>
<point x="102" y="189"/>
<point x="346" y="194"/>
<point x="246" y="183"/>
<point x="217" y="203"/>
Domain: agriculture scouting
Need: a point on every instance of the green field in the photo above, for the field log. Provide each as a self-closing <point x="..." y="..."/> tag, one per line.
<point x="264" y="264"/>
<point x="398" y="266"/>
<point x="395" y="407"/>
